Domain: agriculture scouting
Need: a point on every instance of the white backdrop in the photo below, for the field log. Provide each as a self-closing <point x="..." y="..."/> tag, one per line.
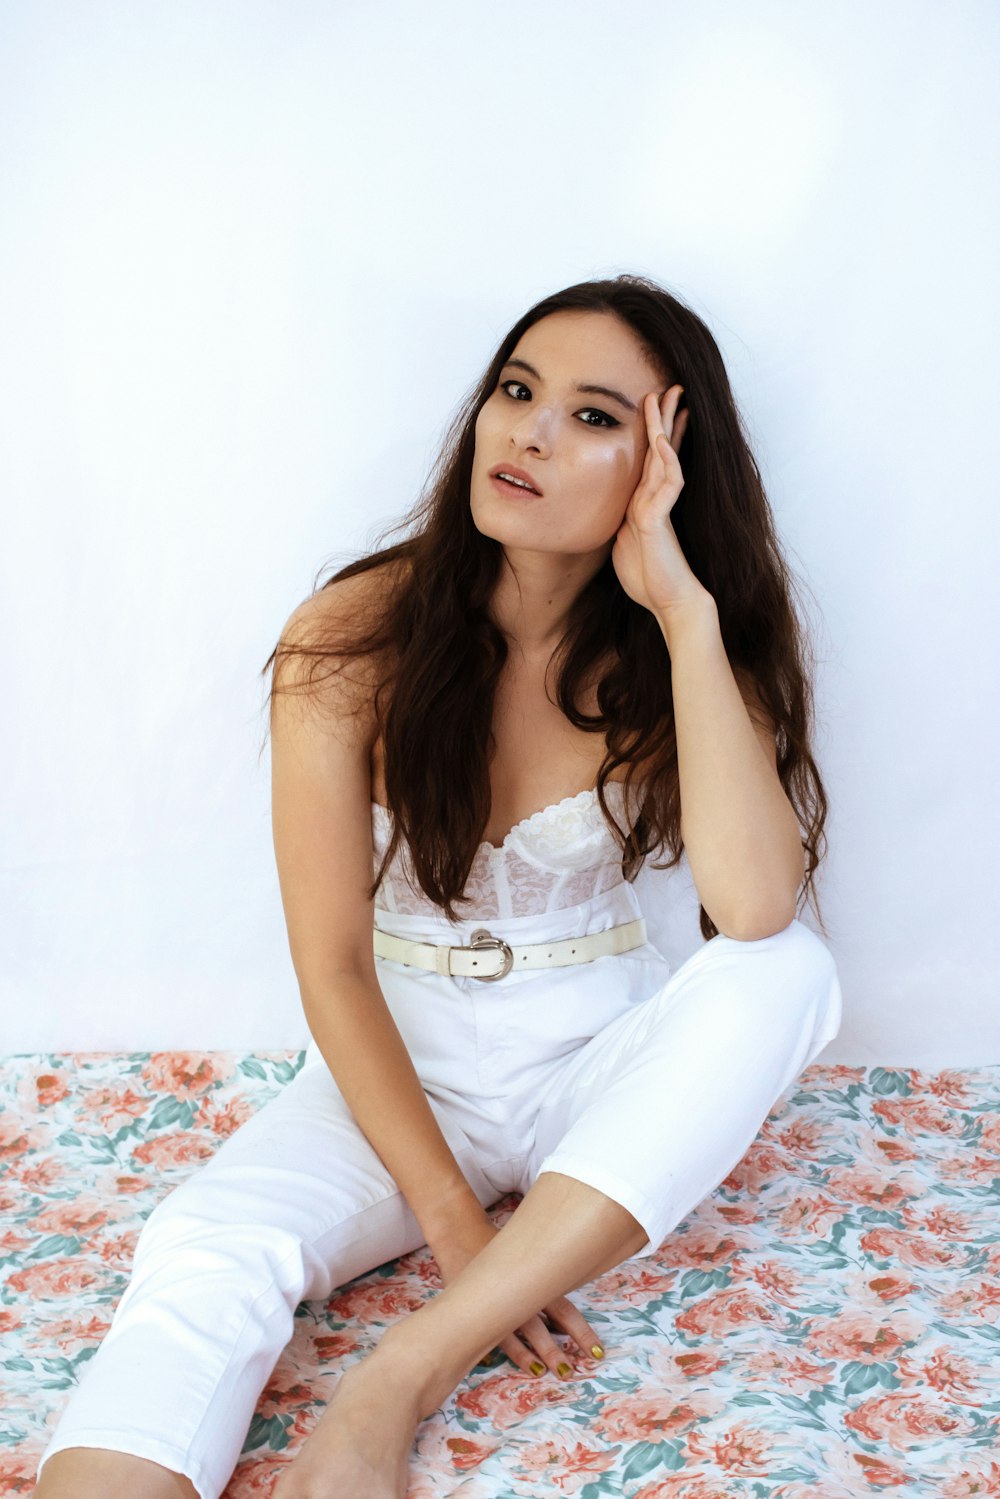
<point x="252" y="255"/>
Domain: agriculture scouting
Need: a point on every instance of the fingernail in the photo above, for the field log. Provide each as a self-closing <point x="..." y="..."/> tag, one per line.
<point x="536" y="1367"/>
<point x="597" y="1351"/>
<point x="563" y="1369"/>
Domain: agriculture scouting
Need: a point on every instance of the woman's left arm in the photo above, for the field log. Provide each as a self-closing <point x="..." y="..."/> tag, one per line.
<point x="739" y="828"/>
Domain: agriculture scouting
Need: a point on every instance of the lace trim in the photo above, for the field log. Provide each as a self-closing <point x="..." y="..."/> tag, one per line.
<point x="533" y="818"/>
<point x="561" y="855"/>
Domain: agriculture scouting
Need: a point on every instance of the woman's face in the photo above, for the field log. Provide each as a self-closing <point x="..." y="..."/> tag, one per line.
<point x="583" y="450"/>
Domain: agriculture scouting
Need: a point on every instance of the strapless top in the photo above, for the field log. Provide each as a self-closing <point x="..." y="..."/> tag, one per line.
<point x="557" y="857"/>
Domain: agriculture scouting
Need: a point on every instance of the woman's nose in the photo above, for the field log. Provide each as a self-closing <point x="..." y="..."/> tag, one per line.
<point x="531" y="429"/>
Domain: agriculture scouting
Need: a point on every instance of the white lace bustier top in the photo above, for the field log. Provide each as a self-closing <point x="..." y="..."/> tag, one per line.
<point x="558" y="857"/>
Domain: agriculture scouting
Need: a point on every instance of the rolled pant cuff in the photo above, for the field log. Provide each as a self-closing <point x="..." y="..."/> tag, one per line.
<point x="113" y="1439"/>
<point x="612" y="1185"/>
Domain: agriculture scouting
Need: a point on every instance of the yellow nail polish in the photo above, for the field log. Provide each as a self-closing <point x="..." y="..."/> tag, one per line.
<point x="563" y="1369"/>
<point x="537" y="1367"/>
<point x="597" y="1351"/>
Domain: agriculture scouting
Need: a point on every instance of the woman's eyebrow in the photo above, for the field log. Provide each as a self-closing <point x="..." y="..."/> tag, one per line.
<point x="595" y="390"/>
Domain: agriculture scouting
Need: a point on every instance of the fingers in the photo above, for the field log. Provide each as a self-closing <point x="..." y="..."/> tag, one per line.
<point x="534" y="1349"/>
<point x="654" y="415"/>
<point x="539" y="1350"/>
<point x="674" y="422"/>
<point x="663" y="419"/>
<point x="665" y="444"/>
<point x="567" y="1316"/>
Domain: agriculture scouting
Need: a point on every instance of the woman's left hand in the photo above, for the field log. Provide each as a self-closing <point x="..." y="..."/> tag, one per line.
<point x="647" y="556"/>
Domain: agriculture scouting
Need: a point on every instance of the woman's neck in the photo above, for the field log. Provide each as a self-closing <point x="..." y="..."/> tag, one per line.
<point x="534" y="596"/>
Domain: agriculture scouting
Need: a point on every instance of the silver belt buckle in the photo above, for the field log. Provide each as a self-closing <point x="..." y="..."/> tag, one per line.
<point x="483" y="941"/>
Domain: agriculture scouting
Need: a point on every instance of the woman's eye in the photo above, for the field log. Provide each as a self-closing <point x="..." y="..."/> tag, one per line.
<point x="606" y="420"/>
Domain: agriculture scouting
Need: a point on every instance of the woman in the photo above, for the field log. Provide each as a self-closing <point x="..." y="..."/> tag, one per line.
<point x="558" y="672"/>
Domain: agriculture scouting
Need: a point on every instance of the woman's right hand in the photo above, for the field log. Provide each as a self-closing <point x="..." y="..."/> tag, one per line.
<point x="532" y="1342"/>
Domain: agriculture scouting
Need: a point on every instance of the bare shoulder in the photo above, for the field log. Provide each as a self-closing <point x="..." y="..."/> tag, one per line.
<point x="321" y="651"/>
<point x="342" y="602"/>
<point x="321" y="787"/>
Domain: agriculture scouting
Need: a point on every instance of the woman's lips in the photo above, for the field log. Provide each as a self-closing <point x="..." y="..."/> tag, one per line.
<point x="513" y="491"/>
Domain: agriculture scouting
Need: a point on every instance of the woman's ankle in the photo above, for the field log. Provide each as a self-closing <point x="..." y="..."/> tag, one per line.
<point x="428" y="1376"/>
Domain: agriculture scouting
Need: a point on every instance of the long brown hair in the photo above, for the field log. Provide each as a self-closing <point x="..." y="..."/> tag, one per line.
<point x="439" y="654"/>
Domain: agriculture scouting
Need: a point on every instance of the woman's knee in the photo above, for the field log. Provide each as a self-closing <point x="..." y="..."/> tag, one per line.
<point x="802" y="972"/>
<point x="795" y="946"/>
<point x="283" y="1180"/>
<point x="208" y="1228"/>
<point x="790" y="976"/>
<point x="265" y="1231"/>
<point x="807" y="955"/>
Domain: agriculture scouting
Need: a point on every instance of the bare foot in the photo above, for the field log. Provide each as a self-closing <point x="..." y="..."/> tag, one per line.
<point x="362" y="1442"/>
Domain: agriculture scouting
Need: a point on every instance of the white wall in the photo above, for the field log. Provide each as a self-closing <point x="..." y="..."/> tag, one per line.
<point x="252" y="255"/>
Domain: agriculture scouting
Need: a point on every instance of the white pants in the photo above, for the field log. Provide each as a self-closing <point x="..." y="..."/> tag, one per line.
<point x="647" y="1085"/>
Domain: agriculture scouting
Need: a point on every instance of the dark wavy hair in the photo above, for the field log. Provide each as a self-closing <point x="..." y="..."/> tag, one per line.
<point x="438" y="654"/>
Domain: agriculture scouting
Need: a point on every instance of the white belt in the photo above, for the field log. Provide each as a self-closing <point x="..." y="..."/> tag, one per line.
<point x="490" y="957"/>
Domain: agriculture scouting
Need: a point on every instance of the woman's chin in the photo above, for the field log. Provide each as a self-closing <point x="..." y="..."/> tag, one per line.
<point x="500" y="524"/>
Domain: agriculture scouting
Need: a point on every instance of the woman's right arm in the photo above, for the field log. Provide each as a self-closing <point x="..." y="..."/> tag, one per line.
<point x="321" y="821"/>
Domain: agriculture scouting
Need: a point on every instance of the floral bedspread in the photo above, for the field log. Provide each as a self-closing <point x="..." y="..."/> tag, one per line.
<point x="826" y="1324"/>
